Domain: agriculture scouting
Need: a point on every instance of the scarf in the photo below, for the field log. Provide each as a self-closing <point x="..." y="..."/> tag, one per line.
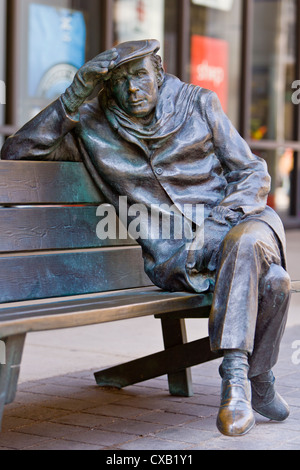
<point x="175" y="105"/>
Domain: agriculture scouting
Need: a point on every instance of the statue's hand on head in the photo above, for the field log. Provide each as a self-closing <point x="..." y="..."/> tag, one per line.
<point x="87" y="78"/>
<point x="96" y="70"/>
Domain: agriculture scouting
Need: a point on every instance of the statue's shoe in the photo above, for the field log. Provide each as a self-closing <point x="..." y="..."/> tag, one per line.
<point x="265" y="400"/>
<point x="235" y="417"/>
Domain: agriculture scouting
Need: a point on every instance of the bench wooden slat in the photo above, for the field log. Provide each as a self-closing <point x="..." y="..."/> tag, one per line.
<point x="295" y="286"/>
<point x="51" y="228"/>
<point x="113" y="306"/>
<point x="25" y="277"/>
<point x="23" y="182"/>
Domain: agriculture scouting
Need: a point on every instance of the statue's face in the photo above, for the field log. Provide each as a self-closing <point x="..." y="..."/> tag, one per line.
<point x="135" y="88"/>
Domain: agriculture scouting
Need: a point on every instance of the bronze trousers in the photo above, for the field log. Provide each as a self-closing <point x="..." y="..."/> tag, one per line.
<point x="251" y="296"/>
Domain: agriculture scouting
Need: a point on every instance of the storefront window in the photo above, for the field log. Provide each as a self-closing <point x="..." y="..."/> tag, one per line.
<point x="280" y="165"/>
<point x="148" y="19"/>
<point x="216" y="28"/>
<point x="272" y="110"/>
<point x="2" y="65"/>
<point x="274" y="60"/>
<point x="54" y="43"/>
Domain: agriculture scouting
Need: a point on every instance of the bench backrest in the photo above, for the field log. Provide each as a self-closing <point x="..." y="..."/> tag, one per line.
<point x="48" y="241"/>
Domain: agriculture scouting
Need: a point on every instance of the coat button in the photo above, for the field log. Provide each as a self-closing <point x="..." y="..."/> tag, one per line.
<point x="159" y="171"/>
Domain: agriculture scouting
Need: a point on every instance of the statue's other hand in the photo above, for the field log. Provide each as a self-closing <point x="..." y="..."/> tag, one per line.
<point x="205" y="249"/>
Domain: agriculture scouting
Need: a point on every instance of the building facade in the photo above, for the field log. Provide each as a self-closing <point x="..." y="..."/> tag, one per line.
<point x="245" y="50"/>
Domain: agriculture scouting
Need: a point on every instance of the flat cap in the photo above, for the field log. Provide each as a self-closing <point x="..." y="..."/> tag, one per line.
<point x="133" y="50"/>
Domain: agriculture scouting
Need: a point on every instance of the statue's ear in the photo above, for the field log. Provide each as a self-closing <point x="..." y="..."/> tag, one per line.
<point x="160" y="77"/>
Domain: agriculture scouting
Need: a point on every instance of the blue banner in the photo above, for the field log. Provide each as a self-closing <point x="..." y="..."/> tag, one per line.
<point x="57" y="38"/>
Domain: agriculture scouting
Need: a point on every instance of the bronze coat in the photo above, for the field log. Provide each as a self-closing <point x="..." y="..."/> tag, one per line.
<point x="191" y="155"/>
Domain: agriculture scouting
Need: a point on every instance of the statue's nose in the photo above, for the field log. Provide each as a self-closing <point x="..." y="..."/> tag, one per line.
<point x="132" y="86"/>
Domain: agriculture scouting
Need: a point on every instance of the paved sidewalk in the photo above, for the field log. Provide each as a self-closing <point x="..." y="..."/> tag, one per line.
<point x="59" y="407"/>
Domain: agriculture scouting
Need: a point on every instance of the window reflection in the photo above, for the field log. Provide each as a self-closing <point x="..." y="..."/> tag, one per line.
<point x="148" y="19"/>
<point x="274" y="52"/>
<point x="285" y="163"/>
<point x="54" y="43"/>
<point x="139" y="19"/>
<point x="280" y="165"/>
<point x="2" y="65"/>
<point x="216" y="50"/>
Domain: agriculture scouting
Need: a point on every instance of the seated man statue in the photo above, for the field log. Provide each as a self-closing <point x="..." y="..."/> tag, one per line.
<point x="155" y="140"/>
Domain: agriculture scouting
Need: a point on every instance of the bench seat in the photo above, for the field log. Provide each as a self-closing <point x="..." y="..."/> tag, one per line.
<point x="56" y="273"/>
<point x="29" y="316"/>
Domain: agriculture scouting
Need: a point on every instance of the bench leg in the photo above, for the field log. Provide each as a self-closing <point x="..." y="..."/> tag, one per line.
<point x="9" y="372"/>
<point x="169" y="361"/>
<point x="174" y="333"/>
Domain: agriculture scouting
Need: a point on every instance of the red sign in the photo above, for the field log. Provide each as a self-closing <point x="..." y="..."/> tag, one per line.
<point x="209" y="65"/>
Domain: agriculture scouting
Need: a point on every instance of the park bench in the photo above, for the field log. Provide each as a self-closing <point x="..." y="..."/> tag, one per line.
<point x="56" y="273"/>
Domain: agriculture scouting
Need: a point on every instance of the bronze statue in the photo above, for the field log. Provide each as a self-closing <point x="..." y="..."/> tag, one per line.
<point x="156" y="140"/>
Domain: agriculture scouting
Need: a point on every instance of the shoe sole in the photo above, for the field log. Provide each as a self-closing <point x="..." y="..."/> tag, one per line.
<point x="268" y="417"/>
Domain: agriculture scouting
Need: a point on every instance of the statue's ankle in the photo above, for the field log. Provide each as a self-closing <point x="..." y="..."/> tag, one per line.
<point x="234" y="365"/>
